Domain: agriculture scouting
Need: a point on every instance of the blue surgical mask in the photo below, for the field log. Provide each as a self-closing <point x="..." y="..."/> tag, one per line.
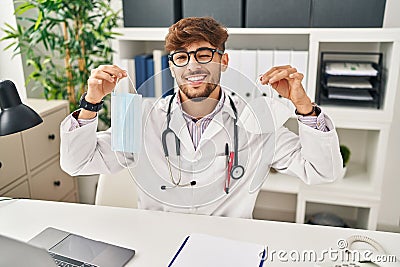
<point x="126" y="121"/>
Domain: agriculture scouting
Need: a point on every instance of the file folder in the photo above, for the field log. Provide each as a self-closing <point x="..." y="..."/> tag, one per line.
<point x="199" y="250"/>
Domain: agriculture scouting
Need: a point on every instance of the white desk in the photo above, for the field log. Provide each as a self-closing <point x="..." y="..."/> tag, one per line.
<point x="157" y="235"/>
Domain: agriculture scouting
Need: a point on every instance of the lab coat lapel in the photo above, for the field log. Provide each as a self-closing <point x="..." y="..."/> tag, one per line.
<point x="217" y="124"/>
<point x="213" y="128"/>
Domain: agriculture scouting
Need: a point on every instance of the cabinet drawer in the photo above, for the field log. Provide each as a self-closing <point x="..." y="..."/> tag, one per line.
<point x="12" y="162"/>
<point x="72" y="198"/>
<point x="43" y="142"/>
<point x="20" y="191"/>
<point x="51" y="183"/>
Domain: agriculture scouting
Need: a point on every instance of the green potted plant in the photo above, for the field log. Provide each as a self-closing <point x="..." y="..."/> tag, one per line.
<point x="62" y="41"/>
<point x="345" y="152"/>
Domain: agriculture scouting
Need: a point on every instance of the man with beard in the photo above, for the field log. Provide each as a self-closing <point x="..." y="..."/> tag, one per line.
<point x="204" y="150"/>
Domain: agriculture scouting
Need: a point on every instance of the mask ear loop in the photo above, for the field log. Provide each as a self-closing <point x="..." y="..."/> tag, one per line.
<point x="270" y="90"/>
<point x="130" y="80"/>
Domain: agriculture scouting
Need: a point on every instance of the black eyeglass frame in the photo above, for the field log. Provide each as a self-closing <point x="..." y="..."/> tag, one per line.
<point x="213" y="50"/>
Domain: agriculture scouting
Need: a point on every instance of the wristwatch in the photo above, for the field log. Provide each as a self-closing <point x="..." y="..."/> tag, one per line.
<point x="89" y="106"/>
<point x="315" y="109"/>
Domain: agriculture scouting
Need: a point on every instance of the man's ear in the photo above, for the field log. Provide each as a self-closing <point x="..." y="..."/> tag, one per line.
<point x="224" y="61"/>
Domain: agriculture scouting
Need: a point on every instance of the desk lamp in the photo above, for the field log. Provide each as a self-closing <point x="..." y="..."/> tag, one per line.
<point x="14" y="116"/>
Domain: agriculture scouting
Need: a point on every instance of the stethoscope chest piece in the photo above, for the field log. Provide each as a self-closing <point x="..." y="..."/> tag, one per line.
<point x="237" y="172"/>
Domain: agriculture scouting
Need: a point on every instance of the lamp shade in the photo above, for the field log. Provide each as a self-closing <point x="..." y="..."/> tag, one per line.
<point x="14" y="116"/>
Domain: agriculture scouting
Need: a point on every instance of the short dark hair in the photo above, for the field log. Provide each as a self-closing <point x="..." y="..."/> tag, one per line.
<point x="196" y="29"/>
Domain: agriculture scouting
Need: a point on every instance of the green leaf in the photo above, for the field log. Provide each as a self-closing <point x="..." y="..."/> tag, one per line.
<point x="39" y="20"/>
<point x="23" y="8"/>
<point x="10" y="45"/>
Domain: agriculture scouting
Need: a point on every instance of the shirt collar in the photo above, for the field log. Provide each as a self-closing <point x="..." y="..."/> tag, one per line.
<point x="211" y="115"/>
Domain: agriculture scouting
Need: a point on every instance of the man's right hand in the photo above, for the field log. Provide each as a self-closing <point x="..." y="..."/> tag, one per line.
<point x="101" y="82"/>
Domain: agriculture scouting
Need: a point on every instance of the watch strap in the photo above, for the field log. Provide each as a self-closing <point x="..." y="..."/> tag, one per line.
<point x="90" y="106"/>
<point x="315" y="109"/>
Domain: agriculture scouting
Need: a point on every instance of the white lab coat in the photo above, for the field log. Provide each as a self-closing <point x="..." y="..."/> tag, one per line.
<point x="313" y="156"/>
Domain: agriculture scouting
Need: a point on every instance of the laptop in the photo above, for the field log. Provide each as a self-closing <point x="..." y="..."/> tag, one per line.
<point x="53" y="247"/>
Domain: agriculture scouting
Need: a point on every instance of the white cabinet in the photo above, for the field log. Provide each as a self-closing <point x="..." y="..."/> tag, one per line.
<point x="357" y="197"/>
<point x="12" y="161"/>
<point x="30" y="165"/>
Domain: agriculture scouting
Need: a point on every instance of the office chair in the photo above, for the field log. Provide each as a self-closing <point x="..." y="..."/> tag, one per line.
<point x="117" y="190"/>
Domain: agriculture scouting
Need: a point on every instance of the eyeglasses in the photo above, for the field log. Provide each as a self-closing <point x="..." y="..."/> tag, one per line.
<point x="203" y="55"/>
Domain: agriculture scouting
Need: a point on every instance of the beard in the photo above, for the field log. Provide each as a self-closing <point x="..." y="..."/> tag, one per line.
<point x="194" y="94"/>
<point x="200" y="93"/>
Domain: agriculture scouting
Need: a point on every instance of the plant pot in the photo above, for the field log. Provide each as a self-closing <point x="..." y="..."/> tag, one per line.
<point x="343" y="173"/>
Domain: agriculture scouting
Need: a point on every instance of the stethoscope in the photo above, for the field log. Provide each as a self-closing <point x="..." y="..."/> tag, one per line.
<point x="237" y="170"/>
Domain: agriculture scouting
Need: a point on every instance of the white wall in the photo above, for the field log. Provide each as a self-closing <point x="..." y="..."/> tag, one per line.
<point x="392" y="10"/>
<point x="390" y="210"/>
<point x="10" y="69"/>
<point x="389" y="214"/>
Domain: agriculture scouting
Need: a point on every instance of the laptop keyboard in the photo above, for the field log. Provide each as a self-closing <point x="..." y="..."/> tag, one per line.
<point x="63" y="261"/>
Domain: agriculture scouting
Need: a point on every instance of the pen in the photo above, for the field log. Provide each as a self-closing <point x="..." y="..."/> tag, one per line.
<point x="226" y="154"/>
<point x="228" y="175"/>
<point x="226" y="167"/>
<point x="263" y="258"/>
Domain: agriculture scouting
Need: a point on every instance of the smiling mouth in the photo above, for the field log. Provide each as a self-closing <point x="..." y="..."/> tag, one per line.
<point x="196" y="79"/>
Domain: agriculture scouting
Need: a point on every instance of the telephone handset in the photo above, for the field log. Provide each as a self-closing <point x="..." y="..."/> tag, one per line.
<point x="373" y="246"/>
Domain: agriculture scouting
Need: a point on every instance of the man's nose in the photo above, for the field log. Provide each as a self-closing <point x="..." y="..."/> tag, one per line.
<point x="193" y="64"/>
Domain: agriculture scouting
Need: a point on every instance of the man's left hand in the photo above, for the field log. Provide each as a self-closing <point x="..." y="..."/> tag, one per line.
<point x="287" y="82"/>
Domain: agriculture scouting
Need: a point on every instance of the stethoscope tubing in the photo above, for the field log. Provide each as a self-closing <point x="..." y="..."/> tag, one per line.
<point x="237" y="170"/>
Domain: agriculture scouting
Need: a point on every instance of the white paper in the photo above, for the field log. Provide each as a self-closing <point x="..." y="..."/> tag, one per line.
<point x="204" y="250"/>
<point x="349" y="95"/>
<point x="345" y="68"/>
<point x="346" y="82"/>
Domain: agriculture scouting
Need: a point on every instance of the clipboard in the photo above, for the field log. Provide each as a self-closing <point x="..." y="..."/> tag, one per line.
<point x="199" y="250"/>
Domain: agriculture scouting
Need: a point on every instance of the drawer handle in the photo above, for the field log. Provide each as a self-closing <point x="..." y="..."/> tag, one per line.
<point x="52" y="136"/>
<point x="57" y="183"/>
<point x="1" y="164"/>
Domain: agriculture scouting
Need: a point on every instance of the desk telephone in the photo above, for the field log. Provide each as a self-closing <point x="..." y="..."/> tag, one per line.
<point x="373" y="246"/>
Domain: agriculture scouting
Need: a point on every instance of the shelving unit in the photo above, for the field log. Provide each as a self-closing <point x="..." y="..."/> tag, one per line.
<point x="365" y="130"/>
<point x="350" y="95"/>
